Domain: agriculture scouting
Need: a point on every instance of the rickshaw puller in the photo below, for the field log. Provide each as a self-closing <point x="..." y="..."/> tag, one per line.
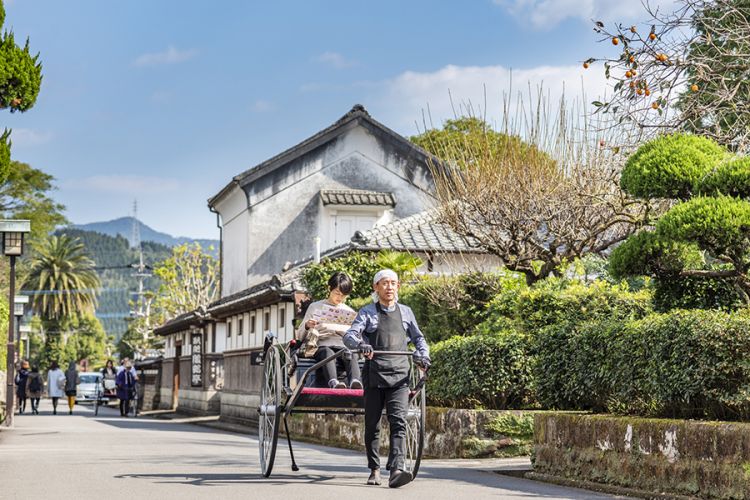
<point x="386" y="325"/>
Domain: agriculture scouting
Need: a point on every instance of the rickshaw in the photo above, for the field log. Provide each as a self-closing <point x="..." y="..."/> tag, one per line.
<point x="288" y="389"/>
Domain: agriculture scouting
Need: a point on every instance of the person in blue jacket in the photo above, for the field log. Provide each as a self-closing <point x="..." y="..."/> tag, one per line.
<point x="125" y="382"/>
<point x="386" y="325"/>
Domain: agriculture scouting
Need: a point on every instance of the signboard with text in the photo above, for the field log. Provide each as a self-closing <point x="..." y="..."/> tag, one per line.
<point x="196" y="359"/>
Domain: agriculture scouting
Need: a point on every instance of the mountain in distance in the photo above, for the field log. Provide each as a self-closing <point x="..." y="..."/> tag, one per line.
<point x="124" y="227"/>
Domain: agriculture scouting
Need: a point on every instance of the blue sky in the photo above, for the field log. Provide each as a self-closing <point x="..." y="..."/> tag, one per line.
<point x="165" y="101"/>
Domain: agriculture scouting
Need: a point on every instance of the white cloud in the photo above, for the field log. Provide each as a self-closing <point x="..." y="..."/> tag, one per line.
<point x="23" y="137"/>
<point x="335" y="59"/>
<point x="169" y="56"/>
<point x="403" y="100"/>
<point x="261" y="106"/>
<point x="123" y="184"/>
<point x="548" y="13"/>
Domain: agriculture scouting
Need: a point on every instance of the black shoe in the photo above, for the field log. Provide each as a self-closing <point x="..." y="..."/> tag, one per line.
<point x="70" y="412"/>
<point x="399" y="478"/>
<point x="374" y="478"/>
<point x="54" y="412"/>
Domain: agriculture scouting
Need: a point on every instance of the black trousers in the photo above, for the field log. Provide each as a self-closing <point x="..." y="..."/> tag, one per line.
<point x="396" y="403"/>
<point x="34" y="404"/>
<point x="329" y="369"/>
<point x="124" y="407"/>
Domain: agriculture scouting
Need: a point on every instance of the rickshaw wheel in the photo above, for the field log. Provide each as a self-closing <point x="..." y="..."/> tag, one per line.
<point x="269" y="412"/>
<point x="415" y="424"/>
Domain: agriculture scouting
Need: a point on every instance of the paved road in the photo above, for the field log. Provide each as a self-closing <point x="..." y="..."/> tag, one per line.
<point x="107" y="457"/>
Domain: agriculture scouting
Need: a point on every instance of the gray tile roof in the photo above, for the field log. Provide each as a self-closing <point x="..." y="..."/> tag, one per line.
<point x="356" y="197"/>
<point x="422" y="232"/>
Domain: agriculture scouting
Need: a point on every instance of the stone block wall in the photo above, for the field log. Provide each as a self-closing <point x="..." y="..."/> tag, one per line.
<point x="678" y="457"/>
<point x="449" y="433"/>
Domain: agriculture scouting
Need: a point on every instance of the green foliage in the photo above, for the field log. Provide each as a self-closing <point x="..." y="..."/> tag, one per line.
<point x="20" y="75"/>
<point x="404" y="264"/>
<point x="53" y="350"/>
<point x="25" y="195"/>
<point x="480" y="371"/>
<point x="718" y="224"/>
<point x="189" y="280"/>
<point x="683" y="364"/>
<point x="20" y="81"/>
<point x="114" y="258"/>
<point x="86" y="339"/>
<point x="463" y="137"/>
<point x="563" y="301"/>
<point x="670" y="166"/>
<point x="731" y="178"/>
<point x="688" y="292"/>
<point x="3" y="335"/>
<point x="519" y="427"/>
<point x="454" y="305"/>
<point x="63" y="273"/>
<point x="360" y="266"/>
<point x="646" y="253"/>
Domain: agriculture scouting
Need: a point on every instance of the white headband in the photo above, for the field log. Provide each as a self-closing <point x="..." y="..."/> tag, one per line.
<point x="385" y="273"/>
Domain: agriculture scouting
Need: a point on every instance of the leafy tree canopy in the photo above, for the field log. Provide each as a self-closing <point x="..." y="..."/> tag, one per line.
<point x="20" y="81"/>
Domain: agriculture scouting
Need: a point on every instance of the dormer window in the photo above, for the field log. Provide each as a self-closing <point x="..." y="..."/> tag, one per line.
<point x="347" y="211"/>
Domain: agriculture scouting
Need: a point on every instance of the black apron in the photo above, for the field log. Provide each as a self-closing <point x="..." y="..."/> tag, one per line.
<point x="383" y="370"/>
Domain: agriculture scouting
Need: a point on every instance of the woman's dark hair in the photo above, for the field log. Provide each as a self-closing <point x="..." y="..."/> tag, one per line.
<point x="109" y="362"/>
<point x="54" y="365"/>
<point x="34" y="368"/>
<point x="342" y="281"/>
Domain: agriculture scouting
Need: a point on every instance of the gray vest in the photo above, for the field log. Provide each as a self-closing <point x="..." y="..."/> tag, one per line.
<point x="383" y="370"/>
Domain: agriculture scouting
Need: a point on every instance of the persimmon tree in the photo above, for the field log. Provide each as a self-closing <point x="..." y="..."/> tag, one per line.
<point x="682" y="70"/>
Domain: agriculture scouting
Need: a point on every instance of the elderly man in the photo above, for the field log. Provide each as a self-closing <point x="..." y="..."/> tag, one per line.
<point x="386" y="325"/>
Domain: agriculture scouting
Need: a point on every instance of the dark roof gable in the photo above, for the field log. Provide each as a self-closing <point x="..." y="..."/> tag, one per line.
<point x="358" y="115"/>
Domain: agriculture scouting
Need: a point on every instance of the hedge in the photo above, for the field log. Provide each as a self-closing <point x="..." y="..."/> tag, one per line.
<point x="683" y="364"/>
<point x="481" y="371"/>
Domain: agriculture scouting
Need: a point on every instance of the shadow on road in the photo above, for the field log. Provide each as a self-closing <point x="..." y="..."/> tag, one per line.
<point x="210" y="479"/>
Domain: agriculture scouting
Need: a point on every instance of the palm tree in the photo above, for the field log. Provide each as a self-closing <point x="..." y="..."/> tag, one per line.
<point x="64" y="278"/>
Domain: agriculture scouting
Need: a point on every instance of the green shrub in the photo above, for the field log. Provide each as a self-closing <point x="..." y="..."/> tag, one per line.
<point x="361" y="267"/>
<point x="485" y="371"/>
<point x="714" y="223"/>
<point x="670" y="166"/>
<point x="574" y="364"/>
<point x="645" y="253"/>
<point x="557" y="300"/>
<point x="683" y="364"/>
<point x="696" y="293"/>
<point x="696" y="365"/>
<point x="731" y="178"/>
<point x="454" y="305"/>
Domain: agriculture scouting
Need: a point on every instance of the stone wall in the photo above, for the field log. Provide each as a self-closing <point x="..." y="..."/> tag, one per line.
<point x="449" y="433"/>
<point x="697" y="459"/>
<point x="240" y="396"/>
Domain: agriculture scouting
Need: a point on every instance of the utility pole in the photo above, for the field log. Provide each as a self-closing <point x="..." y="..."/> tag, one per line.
<point x="141" y="272"/>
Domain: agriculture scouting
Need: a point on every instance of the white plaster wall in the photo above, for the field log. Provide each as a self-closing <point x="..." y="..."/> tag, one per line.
<point x="282" y="227"/>
<point x="234" y="220"/>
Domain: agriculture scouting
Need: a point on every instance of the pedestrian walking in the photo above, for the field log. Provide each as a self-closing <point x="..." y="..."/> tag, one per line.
<point x="109" y="379"/>
<point x="55" y="385"/>
<point x="34" y="388"/>
<point x="125" y="387"/>
<point x="71" y="385"/>
<point x="20" y="381"/>
<point x="386" y="325"/>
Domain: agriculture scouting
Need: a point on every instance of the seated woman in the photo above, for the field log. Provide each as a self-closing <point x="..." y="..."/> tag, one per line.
<point x="324" y="325"/>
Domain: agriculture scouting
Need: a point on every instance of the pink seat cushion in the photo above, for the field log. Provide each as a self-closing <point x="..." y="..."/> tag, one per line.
<point x="321" y="391"/>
